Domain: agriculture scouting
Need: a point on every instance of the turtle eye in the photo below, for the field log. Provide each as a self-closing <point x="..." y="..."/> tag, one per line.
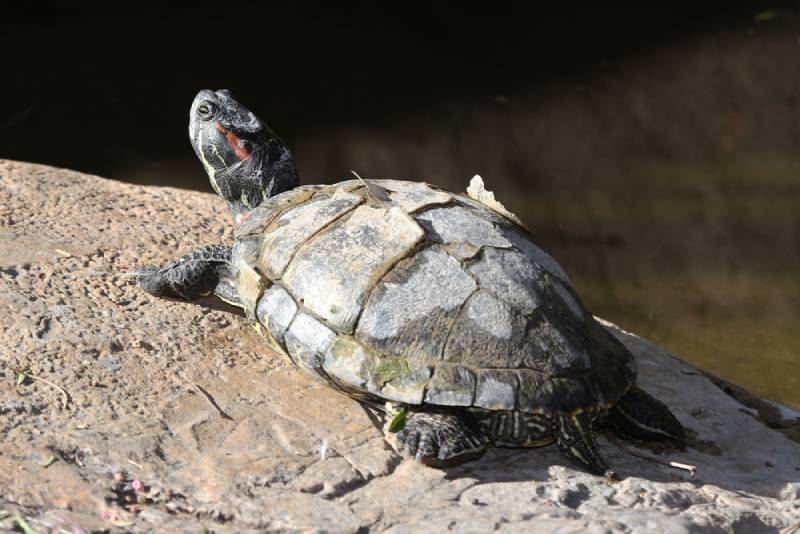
<point x="205" y="110"/>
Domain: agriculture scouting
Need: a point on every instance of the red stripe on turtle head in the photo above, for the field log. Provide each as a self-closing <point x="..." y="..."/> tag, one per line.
<point x="234" y="142"/>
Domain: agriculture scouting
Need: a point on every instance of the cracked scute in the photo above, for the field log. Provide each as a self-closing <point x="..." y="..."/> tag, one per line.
<point x="298" y="224"/>
<point x="335" y="270"/>
<point x="455" y="224"/>
<point x="411" y="196"/>
<point x="250" y="286"/>
<point x="510" y="275"/>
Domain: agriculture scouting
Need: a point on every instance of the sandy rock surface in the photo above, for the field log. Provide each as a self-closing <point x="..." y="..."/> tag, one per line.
<point x="107" y="422"/>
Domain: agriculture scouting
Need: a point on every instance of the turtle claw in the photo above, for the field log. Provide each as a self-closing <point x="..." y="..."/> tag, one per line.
<point x="152" y="280"/>
<point x="138" y="273"/>
<point x="146" y="270"/>
<point x="142" y="272"/>
<point x="437" y="439"/>
<point x="419" y="443"/>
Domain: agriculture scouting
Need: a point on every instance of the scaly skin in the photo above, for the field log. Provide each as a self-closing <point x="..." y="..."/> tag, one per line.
<point x="246" y="163"/>
<point x="439" y="438"/>
<point x="201" y="273"/>
<point x="448" y="437"/>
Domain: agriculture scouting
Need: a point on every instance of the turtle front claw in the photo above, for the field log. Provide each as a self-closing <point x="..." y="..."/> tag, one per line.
<point x="438" y="439"/>
<point x="153" y="280"/>
<point x="143" y="272"/>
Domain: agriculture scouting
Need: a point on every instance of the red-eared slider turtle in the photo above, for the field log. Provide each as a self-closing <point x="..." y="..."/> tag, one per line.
<point x="406" y="295"/>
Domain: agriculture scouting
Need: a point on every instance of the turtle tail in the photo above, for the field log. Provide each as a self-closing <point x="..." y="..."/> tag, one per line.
<point x="640" y="416"/>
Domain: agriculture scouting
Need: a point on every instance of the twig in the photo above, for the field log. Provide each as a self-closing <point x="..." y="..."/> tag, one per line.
<point x="212" y="402"/>
<point x="63" y="391"/>
<point x="134" y="463"/>
<point x="791" y="529"/>
<point x="692" y="469"/>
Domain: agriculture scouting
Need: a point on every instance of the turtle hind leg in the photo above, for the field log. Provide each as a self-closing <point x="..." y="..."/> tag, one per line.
<point x="575" y="438"/>
<point x="439" y="439"/>
<point x="203" y="272"/>
<point x="640" y="416"/>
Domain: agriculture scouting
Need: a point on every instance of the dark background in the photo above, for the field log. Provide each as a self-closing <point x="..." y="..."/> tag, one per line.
<point x="655" y="152"/>
<point x="101" y="92"/>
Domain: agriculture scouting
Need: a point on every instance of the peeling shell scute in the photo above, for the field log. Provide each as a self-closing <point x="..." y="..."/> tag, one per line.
<point x="335" y="270"/>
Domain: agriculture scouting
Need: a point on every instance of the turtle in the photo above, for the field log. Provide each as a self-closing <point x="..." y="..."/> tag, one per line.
<point x="436" y="310"/>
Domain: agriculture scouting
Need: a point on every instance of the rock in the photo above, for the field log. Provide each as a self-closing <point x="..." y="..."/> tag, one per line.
<point x="293" y="454"/>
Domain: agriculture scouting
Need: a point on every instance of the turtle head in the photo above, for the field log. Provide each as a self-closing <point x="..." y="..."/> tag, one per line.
<point x="245" y="161"/>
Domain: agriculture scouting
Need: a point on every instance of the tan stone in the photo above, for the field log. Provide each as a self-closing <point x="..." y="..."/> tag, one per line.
<point x="132" y="365"/>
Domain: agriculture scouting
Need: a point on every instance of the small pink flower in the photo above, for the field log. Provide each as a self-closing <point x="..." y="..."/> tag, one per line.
<point x="137" y="485"/>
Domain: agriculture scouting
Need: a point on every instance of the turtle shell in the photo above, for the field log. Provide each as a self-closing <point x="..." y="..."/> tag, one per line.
<point x="406" y="292"/>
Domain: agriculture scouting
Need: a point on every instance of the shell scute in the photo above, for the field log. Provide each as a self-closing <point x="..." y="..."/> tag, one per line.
<point x="275" y="311"/>
<point x="296" y="225"/>
<point x="496" y="389"/>
<point x="404" y="317"/>
<point x="451" y="385"/>
<point x="333" y="272"/>
<point x="307" y="340"/>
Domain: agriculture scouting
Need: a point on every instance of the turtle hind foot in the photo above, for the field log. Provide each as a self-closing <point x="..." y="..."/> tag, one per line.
<point x="575" y="438"/>
<point x="438" y="439"/>
<point x="641" y="417"/>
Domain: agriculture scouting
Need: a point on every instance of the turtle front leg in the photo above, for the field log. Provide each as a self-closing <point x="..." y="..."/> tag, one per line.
<point x="575" y="438"/>
<point x="201" y="273"/>
<point x="438" y="439"/>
